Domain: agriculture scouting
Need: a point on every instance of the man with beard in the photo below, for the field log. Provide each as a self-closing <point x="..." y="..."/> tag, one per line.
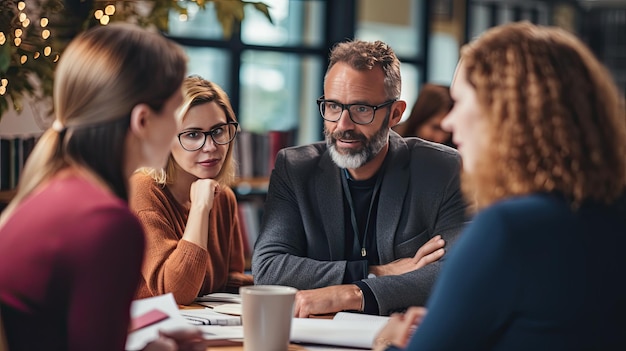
<point x="360" y="222"/>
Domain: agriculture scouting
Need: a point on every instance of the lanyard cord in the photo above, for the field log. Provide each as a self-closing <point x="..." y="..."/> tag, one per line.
<point x="355" y="227"/>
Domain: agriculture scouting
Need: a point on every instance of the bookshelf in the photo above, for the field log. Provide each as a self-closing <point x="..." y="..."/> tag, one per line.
<point x="255" y="154"/>
<point x="250" y="193"/>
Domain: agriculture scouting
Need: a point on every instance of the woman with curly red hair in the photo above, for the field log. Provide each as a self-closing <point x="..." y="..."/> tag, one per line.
<point x="541" y="128"/>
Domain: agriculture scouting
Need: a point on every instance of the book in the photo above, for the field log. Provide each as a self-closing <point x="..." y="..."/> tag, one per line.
<point x="244" y="154"/>
<point x="220" y="297"/>
<point x="250" y="218"/>
<point x="247" y="246"/>
<point x="345" y="329"/>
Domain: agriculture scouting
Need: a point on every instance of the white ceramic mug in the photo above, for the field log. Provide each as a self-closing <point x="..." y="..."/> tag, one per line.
<point x="267" y="311"/>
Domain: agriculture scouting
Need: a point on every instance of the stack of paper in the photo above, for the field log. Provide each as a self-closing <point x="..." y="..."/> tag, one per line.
<point x="206" y="316"/>
<point x="346" y="329"/>
<point x="351" y="330"/>
<point x="142" y="308"/>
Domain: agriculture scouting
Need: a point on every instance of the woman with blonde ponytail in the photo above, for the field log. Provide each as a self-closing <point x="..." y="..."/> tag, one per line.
<point x="70" y="248"/>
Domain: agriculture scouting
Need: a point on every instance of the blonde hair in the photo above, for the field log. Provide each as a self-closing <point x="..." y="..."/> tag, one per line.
<point x="557" y="121"/>
<point x="197" y="91"/>
<point x="101" y="76"/>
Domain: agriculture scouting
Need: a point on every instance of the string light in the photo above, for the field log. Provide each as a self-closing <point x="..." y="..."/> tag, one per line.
<point x="3" y="86"/>
<point x="104" y="15"/>
<point x="28" y="33"/>
<point x="109" y="10"/>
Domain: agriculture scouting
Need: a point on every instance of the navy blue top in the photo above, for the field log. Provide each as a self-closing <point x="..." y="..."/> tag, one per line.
<point x="529" y="273"/>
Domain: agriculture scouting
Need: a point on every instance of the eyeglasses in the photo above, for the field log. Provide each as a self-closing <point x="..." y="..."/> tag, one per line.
<point x="223" y="134"/>
<point x="359" y="113"/>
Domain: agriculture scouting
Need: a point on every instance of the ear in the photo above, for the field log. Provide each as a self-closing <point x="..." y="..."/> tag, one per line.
<point x="140" y="118"/>
<point x="396" y="112"/>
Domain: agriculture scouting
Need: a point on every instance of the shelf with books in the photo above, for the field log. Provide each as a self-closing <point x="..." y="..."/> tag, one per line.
<point x="255" y="154"/>
<point x="251" y="186"/>
<point x="250" y="194"/>
<point x="13" y="154"/>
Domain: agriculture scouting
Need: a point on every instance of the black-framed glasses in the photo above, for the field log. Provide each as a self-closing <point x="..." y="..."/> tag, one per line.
<point x="358" y="113"/>
<point x="223" y="134"/>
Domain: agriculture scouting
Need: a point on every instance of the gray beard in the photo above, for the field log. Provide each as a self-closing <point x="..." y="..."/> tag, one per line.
<point x="358" y="158"/>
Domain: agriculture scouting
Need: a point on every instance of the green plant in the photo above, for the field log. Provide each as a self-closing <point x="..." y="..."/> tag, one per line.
<point x="29" y="49"/>
<point x="26" y="50"/>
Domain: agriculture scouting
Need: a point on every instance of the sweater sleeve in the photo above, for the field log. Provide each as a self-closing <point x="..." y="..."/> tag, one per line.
<point x="170" y="264"/>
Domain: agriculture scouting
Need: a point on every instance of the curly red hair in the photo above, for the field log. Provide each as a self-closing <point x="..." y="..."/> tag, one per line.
<point x="557" y="121"/>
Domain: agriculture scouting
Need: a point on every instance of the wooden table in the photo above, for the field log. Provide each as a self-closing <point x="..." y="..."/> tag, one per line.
<point x="292" y="347"/>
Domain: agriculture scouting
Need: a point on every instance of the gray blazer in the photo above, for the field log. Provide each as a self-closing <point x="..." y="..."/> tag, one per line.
<point x="302" y="239"/>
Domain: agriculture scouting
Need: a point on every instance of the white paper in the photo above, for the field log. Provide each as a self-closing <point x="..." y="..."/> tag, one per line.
<point x="354" y="330"/>
<point x="220" y="297"/>
<point x="218" y="332"/>
<point x="138" y="339"/>
<point x="206" y="316"/>
<point x="351" y="316"/>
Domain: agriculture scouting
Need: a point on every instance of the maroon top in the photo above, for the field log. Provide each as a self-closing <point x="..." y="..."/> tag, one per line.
<point x="70" y="260"/>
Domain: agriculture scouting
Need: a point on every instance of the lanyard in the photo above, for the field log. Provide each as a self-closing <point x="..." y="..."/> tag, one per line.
<point x="355" y="227"/>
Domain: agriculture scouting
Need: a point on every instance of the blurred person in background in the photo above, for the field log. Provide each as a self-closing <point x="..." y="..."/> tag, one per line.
<point x="432" y="105"/>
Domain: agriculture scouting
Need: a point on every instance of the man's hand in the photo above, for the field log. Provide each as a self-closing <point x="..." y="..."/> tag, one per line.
<point x="328" y="300"/>
<point x="399" y="329"/>
<point x="430" y="252"/>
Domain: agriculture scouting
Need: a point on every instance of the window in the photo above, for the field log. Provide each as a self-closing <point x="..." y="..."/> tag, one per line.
<point x="274" y="72"/>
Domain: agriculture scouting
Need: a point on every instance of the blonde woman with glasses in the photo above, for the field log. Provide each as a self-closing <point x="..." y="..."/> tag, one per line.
<point x="194" y="243"/>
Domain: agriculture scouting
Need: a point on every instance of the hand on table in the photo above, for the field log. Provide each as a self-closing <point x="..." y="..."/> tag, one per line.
<point x="327" y="300"/>
<point x="430" y="252"/>
<point x="178" y="340"/>
<point x="399" y="329"/>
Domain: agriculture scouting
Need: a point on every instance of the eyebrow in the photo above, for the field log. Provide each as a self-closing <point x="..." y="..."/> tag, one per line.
<point x="358" y="102"/>
<point x="200" y="129"/>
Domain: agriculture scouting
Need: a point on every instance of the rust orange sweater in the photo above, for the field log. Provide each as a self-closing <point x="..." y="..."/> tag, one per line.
<point x="179" y="266"/>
